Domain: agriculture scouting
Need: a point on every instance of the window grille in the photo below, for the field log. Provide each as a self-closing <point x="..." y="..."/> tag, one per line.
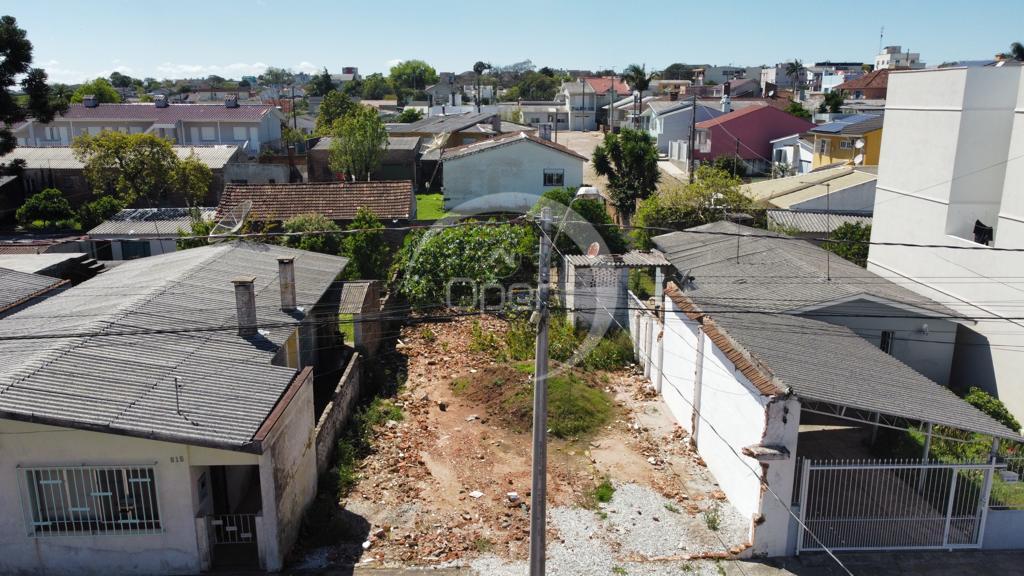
<point x="61" y="501"/>
<point x="554" y="177"/>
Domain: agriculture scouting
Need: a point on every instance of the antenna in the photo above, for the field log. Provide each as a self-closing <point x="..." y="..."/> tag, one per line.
<point x="231" y="222"/>
<point x="881" y="35"/>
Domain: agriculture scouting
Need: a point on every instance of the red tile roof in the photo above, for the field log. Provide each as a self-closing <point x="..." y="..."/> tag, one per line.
<point x="504" y="140"/>
<point x="388" y="199"/>
<point x="603" y="85"/>
<point x="726" y="118"/>
<point x="873" y="79"/>
<point x="169" y="115"/>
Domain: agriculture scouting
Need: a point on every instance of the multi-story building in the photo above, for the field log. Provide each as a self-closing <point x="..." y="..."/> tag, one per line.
<point x="894" y="57"/>
<point x="585" y="99"/>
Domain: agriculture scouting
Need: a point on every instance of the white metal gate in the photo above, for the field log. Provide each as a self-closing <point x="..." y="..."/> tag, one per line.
<point x="890" y="505"/>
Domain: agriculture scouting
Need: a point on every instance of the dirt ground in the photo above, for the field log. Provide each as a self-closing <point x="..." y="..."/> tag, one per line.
<point x="451" y="480"/>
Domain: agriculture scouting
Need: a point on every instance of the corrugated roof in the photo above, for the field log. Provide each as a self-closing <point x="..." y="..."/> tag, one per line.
<point x="134" y="384"/>
<point x="815" y="222"/>
<point x="874" y="79"/>
<point x="709" y="253"/>
<point x="63" y="157"/>
<point x="169" y="115"/>
<point x="505" y="140"/>
<point x="353" y="295"/>
<point x="823" y="362"/>
<point x="36" y="263"/>
<point x="17" y="288"/>
<point x="394" y="143"/>
<point x="632" y="259"/>
<point x="388" y="199"/>
<point x="149" y="222"/>
<point x="853" y="125"/>
<point x="787" y="192"/>
<point x="439" y="124"/>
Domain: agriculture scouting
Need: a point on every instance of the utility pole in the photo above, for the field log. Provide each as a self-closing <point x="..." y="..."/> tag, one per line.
<point x="538" y="490"/>
<point x="693" y="133"/>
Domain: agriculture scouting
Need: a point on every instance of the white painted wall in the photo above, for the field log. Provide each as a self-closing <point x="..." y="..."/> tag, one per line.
<point x="516" y="168"/>
<point x="173" y="551"/>
<point x="953" y="149"/>
<point x="857" y="198"/>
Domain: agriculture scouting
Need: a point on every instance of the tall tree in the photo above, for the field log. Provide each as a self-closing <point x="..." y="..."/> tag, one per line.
<point x="360" y="141"/>
<point x="794" y="71"/>
<point x="276" y="77"/>
<point x="413" y="74"/>
<point x="101" y="88"/>
<point x="215" y="81"/>
<point x="139" y="166"/>
<point x="15" y="61"/>
<point x="373" y="87"/>
<point x="629" y="160"/>
<point x="366" y="247"/>
<point x="1016" y="52"/>
<point x="479" y="68"/>
<point x="677" y="71"/>
<point x="334" y="107"/>
<point x="639" y="80"/>
<point x="321" y="84"/>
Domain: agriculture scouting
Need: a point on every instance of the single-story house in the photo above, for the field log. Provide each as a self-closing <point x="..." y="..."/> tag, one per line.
<point x="793" y="152"/>
<point x="872" y="86"/>
<point x="176" y="432"/>
<point x="767" y="348"/>
<point x="399" y="162"/>
<point x="841" y="189"/>
<point x="141" y="232"/>
<point x="854" y="140"/>
<point x="507" y="172"/>
<point x="746" y="133"/>
<point x="19" y="290"/>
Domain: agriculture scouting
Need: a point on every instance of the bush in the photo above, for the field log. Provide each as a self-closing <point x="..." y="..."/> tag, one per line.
<point x="992" y="406"/>
<point x="851" y="242"/>
<point x="328" y="243"/>
<point x="94" y="213"/>
<point x="574" y="407"/>
<point x="368" y="252"/>
<point x="612" y="352"/>
<point x="591" y="211"/>
<point x="47" y="209"/>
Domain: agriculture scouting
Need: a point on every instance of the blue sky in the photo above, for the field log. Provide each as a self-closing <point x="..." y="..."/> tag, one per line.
<point x="76" y="40"/>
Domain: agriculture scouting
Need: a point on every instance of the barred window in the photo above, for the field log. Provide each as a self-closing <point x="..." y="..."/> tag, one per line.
<point x="90" y="500"/>
<point x="554" y="177"/>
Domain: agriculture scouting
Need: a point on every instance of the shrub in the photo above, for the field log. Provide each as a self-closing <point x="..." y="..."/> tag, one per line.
<point x="575" y="408"/>
<point x="613" y="351"/>
<point x="93" y="213"/>
<point x="48" y="208"/>
<point x="992" y="406"/>
<point x="713" y="517"/>
<point x="850" y="242"/>
<point x="368" y="252"/>
<point x="328" y="243"/>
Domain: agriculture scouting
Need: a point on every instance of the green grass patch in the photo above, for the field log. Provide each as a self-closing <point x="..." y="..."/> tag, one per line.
<point x="671" y="508"/>
<point x="526" y="367"/>
<point x="483" y="545"/>
<point x="612" y="352"/>
<point x="713" y="518"/>
<point x="641" y="283"/>
<point x="604" y="491"/>
<point x="347" y="328"/>
<point x="430" y="207"/>
<point x="460" y="385"/>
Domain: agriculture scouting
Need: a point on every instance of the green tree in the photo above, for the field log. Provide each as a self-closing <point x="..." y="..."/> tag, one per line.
<point x="535" y="86"/>
<point x="215" y="81"/>
<point x="334" y="107"/>
<point x="100" y="88"/>
<point x="479" y="68"/>
<point x="328" y="241"/>
<point x="276" y="77"/>
<point x="795" y="72"/>
<point x="1016" y="52"/>
<point x="118" y="80"/>
<point x="15" y="62"/>
<point x="374" y="87"/>
<point x="409" y="115"/>
<point x="413" y="74"/>
<point x="713" y="193"/>
<point x="92" y="214"/>
<point x="198" y="231"/>
<point x="833" y="102"/>
<point x="192" y="178"/>
<point x="629" y="160"/>
<point x="368" y="252"/>
<point x="677" y="71"/>
<point x="796" y="109"/>
<point x="593" y="214"/>
<point x="731" y="164"/>
<point x="359" y="143"/>
<point x="49" y="207"/>
<point x="850" y="241"/>
<point x="638" y="79"/>
<point x="321" y="84"/>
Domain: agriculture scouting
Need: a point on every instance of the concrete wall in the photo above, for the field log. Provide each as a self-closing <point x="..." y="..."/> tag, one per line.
<point x="175" y="550"/>
<point x="288" y="476"/>
<point x="337" y="412"/>
<point x="1003" y="529"/>
<point x="858" y="198"/>
<point x="951" y="153"/>
<point x="515" y="168"/>
<point x="255" y="173"/>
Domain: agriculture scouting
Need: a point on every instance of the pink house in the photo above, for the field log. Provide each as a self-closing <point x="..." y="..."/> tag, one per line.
<point x="747" y="133"/>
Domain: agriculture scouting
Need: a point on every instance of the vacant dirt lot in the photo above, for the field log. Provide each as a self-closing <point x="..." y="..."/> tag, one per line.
<point x="449" y="483"/>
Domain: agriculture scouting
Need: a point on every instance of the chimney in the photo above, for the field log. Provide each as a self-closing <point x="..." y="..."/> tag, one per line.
<point x="726" y="101"/>
<point x="90" y="101"/>
<point x="245" y="304"/>
<point x="673" y="95"/>
<point x="160" y="101"/>
<point x="286" y="273"/>
<point x="231" y="101"/>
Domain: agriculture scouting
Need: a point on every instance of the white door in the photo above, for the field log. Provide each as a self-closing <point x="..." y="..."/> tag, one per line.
<point x="194" y="134"/>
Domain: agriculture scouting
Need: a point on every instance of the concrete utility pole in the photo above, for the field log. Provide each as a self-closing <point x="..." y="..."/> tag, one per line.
<point x="538" y="490"/>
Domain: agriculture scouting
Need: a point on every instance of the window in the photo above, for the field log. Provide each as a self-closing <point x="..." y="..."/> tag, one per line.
<point x="845" y="145"/>
<point x="888" y="338"/>
<point x="90" y="499"/>
<point x="822" y="146"/>
<point x="241" y="133"/>
<point x="132" y="249"/>
<point x="208" y="133"/>
<point x="554" y="177"/>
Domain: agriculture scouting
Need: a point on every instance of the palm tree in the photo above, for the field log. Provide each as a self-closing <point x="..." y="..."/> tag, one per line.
<point x="61" y="94"/>
<point x="636" y="76"/>
<point x="794" y="71"/>
<point x="479" y="68"/>
<point x="1016" y="52"/>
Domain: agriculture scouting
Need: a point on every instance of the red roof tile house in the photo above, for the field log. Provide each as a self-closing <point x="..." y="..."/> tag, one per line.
<point x="392" y="201"/>
<point x="871" y="86"/>
<point x="748" y="134"/>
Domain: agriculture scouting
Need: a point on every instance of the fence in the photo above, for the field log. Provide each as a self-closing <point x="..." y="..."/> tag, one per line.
<point x="887" y="505"/>
<point x="232" y="528"/>
<point x="337" y="412"/>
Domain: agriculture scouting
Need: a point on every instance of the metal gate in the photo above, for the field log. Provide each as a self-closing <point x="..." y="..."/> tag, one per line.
<point x="891" y="505"/>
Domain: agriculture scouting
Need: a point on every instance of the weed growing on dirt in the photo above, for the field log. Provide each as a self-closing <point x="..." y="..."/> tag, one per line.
<point x="720" y="568"/>
<point x="713" y="518"/>
<point x="481" y="340"/>
<point x="356" y="442"/>
<point x="519" y="340"/>
<point x="428" y="335"/>
<point x="574" y="407"/>
<point x="483" y="545"/>
<point x="460" y="385"/>
<point x="619" y="570"/>
<point x="613" y="351"/>
<point x="604" y="491"/>
<point x="602" y="514"/>
<point x="671" y="508"/>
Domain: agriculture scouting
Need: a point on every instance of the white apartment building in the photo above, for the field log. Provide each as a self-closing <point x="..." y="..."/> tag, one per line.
<point x="895" y="57"/>
<point x="950" y="174"/>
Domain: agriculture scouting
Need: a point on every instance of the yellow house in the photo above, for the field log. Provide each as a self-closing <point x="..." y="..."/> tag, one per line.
<point x="836" y="142"/>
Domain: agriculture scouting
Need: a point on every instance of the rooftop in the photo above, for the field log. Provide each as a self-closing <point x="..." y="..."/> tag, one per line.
<point x="853" y="125"/>
<point x="63" y="157"/>
<point x="873" y="79"/>
<point x="388" y="199"/>
<point x="100" y="373"/>
<point x="505" y="140"/>
<point x="171" y="114"/>
<point x="816" y="221"/>
<point x="439" y="124"/>
<point x="17" y="288"/>
<point x="791" y="190"/>
<point x="149" y="222"/>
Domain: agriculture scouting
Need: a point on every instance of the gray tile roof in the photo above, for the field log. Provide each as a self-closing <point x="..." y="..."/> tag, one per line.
<point x="63" y="157"/>
<point x="99" y="377"/>
<point x="775" y="273"/>
<point x="632" y="259"/>
<point x="815" y="222"/>
<point x="17" y="288"/>
<point x="353" y="295"/>
<point x="149" y="222"/>
<point x="439" y="124"/>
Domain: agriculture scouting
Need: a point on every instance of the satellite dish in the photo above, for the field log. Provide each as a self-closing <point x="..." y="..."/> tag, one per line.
<point x="859" y="143"/>
<point x="594" y="249"/>
<point x="858" y="159"/>
<point x="231" y="222"/>
<point x="771" y="93"/>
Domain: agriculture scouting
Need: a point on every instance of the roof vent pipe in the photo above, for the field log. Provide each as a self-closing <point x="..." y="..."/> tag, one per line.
<point x="286" y="272"/>
<point x="245" y="304"/>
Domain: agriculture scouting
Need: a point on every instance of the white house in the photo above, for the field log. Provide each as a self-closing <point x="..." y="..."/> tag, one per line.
<point x="794" y="152"/>
<point x="894" y="57"/>
<point x="177" y="429"/>
<point x="249" y="126"/>
<point x="951" y="159"/>
<point x="585" y="99"/>
<point x="670" y="120"/>
<point x="141" y="232"/>
<point x="518" y="163"/>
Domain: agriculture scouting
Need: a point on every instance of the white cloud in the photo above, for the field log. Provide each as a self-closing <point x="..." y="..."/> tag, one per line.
<point x="393" y="62"/>
<point x="307" y="67"/>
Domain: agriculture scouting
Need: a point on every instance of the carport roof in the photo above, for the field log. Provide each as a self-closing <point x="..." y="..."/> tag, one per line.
<point x="821" y="362"/>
